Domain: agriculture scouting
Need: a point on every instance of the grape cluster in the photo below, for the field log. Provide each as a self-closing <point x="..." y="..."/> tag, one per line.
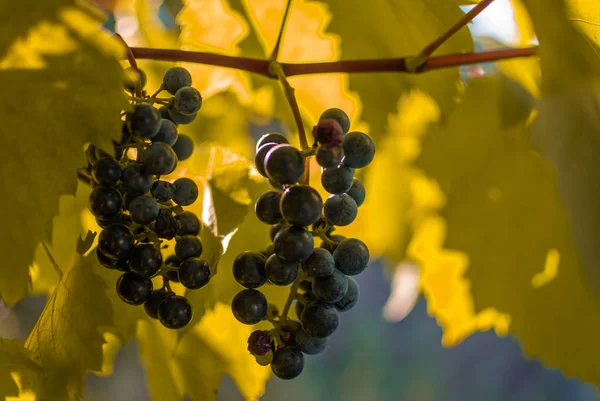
<point x="138" y="211"/>
<point x="321" y="280"/>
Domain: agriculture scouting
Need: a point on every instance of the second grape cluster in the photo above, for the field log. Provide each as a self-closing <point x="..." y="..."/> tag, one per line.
<point x="321" y="277"/>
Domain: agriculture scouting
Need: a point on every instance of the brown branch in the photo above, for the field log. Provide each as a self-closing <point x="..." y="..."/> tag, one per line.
<point x="275" y="52"/>
<point x="468" y="17"/>
<point x="256" y="66"/>
<point x="261" y="67"/>
<point x="133" y="64"/>
<point x="399" y="64"/>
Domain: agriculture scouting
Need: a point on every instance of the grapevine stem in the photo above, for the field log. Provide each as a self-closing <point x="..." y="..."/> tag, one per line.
<point x="261" y="67"/>
<point x="468" y="17"/>
<point x="275" y="52"/>
<point x="52" y="260"/>
<point x="133" y="64"/>
<point x="277" y="70"/>
<point x="84" y="177"/>
<point x="290" y="299"/>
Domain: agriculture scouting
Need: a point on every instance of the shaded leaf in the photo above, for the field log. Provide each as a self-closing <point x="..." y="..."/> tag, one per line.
<point x="16" y="360"/>
<point x="61" y="88"/>
<point x="67" y="340"/>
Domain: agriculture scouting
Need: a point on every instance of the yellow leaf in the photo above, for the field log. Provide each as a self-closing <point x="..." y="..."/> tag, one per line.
<point x="18" y="372"/>
<point x="67" y="340"/>
<point x="62" y="87"/>
<point x="586" y="16"/>
<point x="397" y="29"/>
<point x="221" y="341"/>
<point x="508" y="259"/>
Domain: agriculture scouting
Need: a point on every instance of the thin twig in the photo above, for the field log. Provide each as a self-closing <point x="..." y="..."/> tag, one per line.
<point x="468" y="17"/>
<point x="52" y="260"/>
<point x="133" y="64"/>
<point x="290" y="299"/>
<point x="291" y="98"/>
<point x="275" y="52"/>
<point x="261" y="67"/>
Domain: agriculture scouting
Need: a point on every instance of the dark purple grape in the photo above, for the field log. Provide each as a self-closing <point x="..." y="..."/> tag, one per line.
<point x="190" y="224"/>
<point x="144" y="121"/>
<point x="116" y="241"/>
<point x="351" y="256"/>
<point x="340" y="210"/>
<point x="261" y="154"/>
<point x="176" y="78"/>
<point x="328" y="131"/>
<point x="337" y="180"/>
<point x="159" y="159"/>
<point x="338" y="115"/>
<point x="105" y="203"/>
<point x="319" y="264"/>
<point x="284" y="164"/>
<point x="287" y="363"/>
<point x="249" y="306"/>
<point x="301" y="205"/>
<point x="267" y="207"/>
<point x="249" y="269"/>
<point x="188" y="246"/>
<point x="166" y="225"/>
<point x="167" y="132"/>
<point x="331" y="288"/>
<point x="134" y="288"/>
<point x="319" y="319"/>
<point x="359" y="150"/>
<point x="350" y="298"/>
<point x="184" y="147"/>
<point x="280" y="272"/>
<point x="294" y="244"/>
<point x="136" y="179"/>
<point x="143" y="209"/>
<point x="145" y="259"/>
<point x="186" y="191"/>
<point x="162" y="191"/>
<point x="107" y="172"/>
<point x="357" y="192"/>
<point x="175" y="312"/>
<point x="187" y="101"/>
<point x="272" y="137"/>
<point x="329" y="155"/>
<point x="154" y="301"/>
<point x="310" y="345"/>
<point x="194" y="273"/>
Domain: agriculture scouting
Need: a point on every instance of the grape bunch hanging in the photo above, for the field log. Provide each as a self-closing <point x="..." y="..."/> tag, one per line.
<point x="321" y="276"/>
<point x="137" y="210"/>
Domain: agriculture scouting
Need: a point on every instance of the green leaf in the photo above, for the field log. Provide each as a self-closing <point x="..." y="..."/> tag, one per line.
<point x="16" y="360"/>
<point x="397" y="29"/>
<point x="509" y="229"/>
<point x="61" y="88"/>
<point x="67" y="339"/>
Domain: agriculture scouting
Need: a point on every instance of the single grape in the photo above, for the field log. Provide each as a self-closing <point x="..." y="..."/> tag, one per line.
<point x="183" y="147"/>
<point x="308" y="344"/>
<point x="249" y="306"/>
<point x="134" y="288"/>
<point x="173" y="261"/>
<point x="188" y="246"/>
<point x="107" y="172"/>
<point x="175" y="312"/>
<point x="319" y="264"/>
<point x="267" y="207"/>
<point x="357" y="192"/>
<point x="143" y="209"/>
<point x="337" y="180"/>
<point x="284" y="164"/>
<point x="287" y="363"/>
<point x="329" y="155"/>
<point x="301" y="205"/>
<point x="164" y="113"/>
<point x="338" y="115"/>
<point x="261" y="154"/>
<point x="167" y="132"/>
<point x="145" y="259"/>
<point x="133" y="77"/>
<point x="187" y="101"/>
<point x="159" y="158"/>
<point x="332" y="288"/>
<point x="176" y="78"/>
<point x="104" y="260"/>
<point x="275" y="228"/>
<point x="336" y="239"/>
<point x="90" y="154"/>
<point x="259" y="342"/>
<point x="271" y="137"/>
<point x="359" y="149"/>
<point x="166" y="225"/>
<point x="186" y="191"/>
<point x="189" y="222"/>
<point x="154" y="301"/>
<point x="340" y="210"/>
<point x="319" y="319"/>
<point x="116" y="241"/>
<point x="249" y="269"/>
<point x="350" y="298"/>
<point x="136" y="179"/>
<point x="105" y="203"/>
<point x="328" y="131"/>
<point x="351" y="256"/>
<point x="179" y="118"/>
<point x="268" y="251"/>
<point x="281" y="272"/>
<point x="162" y="191"/>
<point x="294" y="244"/>
<point x="144" y="121"/>
<point x="194" y="273"/>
